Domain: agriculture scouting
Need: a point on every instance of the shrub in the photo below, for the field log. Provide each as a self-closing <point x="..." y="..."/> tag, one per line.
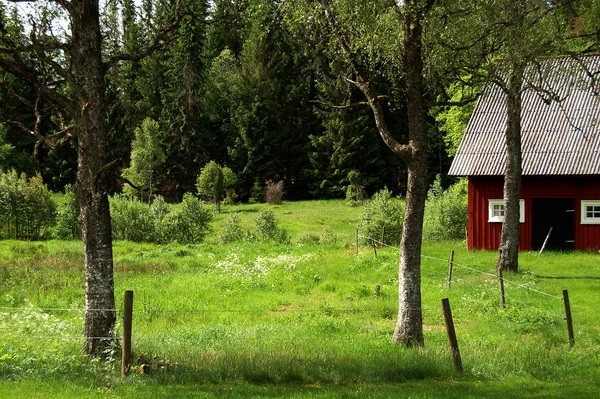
<point x="159" y="209"/>
<point x="189" y="222"/>
<point x="355" y="193"/>
<point x="446" y="214"/>
<point x="382" y="214"/>
<point x="307" y="238"/>
<point x="232" y="230"/>
<point x="131" y="219"/>
<point x="274" y="192"/>
<point x="328" y="237"/>
<point x="26" y="207"/>
<point x="267" y="229"/>
<point x="68" y="219"/>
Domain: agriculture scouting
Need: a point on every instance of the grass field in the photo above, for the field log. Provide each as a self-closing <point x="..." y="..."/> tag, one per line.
<point x="252" y="320"/>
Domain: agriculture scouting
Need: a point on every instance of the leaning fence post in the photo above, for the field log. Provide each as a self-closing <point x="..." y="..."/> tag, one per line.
<point x="374" y="246"/>
<point x="501" y="280"/>
<point x="451" y="335"/>
<point x="450" y="263"/>
<point x="568" y="317"/>
<point x="127" y="322"/>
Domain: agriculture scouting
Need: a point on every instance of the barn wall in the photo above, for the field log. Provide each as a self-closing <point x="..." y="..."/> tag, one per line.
<point x="485" y="235"/>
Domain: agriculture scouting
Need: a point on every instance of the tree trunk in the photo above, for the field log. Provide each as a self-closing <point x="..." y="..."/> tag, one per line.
<point x="91" y="186"/>
<point x="409" y="326"/>
<point x="508" y="253"/>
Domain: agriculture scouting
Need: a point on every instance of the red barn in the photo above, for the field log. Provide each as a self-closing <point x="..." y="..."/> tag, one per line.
<point x="561" y="159"/>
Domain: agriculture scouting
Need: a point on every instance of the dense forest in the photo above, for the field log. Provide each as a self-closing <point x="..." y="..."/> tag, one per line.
<point x="237" y="85"/>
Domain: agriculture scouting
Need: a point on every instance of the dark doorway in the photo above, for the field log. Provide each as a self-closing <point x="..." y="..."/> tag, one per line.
<point x="555" y="213"/>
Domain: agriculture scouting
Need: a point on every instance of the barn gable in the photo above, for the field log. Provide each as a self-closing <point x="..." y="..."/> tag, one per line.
<point x="561" y="158"/>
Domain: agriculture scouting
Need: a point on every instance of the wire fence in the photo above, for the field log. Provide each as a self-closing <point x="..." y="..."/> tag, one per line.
<point x="152" y="311"/>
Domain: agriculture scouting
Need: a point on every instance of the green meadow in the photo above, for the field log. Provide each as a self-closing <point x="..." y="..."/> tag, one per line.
<point x="248" y="319"/>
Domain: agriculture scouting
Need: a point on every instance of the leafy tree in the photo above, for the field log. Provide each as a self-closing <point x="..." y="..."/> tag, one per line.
<point x="354" y="29"/>
<point x="213" y="182"/>
<point x="67" y="66"/>
<point x="147" y="156"/>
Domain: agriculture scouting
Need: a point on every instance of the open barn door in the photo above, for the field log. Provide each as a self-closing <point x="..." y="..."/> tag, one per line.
<point x="555" y="213"/>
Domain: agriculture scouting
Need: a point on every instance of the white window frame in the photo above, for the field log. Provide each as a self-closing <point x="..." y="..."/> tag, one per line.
<point x="500" y="219"/>
<point x="585" y="219"/>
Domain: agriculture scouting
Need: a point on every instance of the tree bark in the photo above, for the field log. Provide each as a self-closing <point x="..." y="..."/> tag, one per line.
<point x="91" y="186"/>
<point x="409" y="326"/>
<point x="508" y="253"/>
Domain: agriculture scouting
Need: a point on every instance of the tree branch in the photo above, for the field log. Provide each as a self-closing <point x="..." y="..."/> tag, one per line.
<point x="162" y="38"/>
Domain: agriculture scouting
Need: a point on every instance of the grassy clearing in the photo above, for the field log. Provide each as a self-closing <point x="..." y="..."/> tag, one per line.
<point x="269" y="320"/>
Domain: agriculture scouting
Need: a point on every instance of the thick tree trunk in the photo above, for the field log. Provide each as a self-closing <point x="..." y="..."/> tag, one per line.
<point x="91" y="186"/>
<point x="409" y="326"/>
<point x="508" y="253"/>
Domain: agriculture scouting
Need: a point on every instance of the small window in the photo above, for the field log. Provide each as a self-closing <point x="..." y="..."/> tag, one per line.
<point x="590" y="212"/>
<point x="496" y="211"/>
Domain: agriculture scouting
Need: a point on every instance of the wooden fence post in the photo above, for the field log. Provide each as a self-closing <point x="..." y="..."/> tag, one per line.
<point x="357" y="241"/>
<point x="501" y="280"/>
<point x="374" y="246"/>
<point x="451" y="335"/>
<point x="127" y="323"/>
<point x="450" y="263"/>
<point x="568" y="317"/>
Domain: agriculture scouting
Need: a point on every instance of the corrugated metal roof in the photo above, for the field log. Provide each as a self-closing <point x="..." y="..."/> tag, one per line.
<point x="559" y="135"/>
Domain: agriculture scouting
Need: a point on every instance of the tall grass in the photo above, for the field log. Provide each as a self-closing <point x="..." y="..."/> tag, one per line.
<point x="244" y="319"/>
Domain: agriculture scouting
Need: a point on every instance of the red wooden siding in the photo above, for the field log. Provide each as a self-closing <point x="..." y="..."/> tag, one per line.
<point x="482" y="234"/>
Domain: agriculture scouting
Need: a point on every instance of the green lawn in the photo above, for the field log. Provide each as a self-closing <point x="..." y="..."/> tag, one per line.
<point x="305" y="321"/>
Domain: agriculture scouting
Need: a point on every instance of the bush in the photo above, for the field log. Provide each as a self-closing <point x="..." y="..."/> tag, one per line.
<point x="328" y="237"/>
<point x="355" y="192"/>
<point x="26" y="207"/>
<point x="189" y="222"/>
<point x="274" y="192"/>
<point x="307" y="238"/>
<point x="131" y="219"/>
<point x="68" y="219"/>
<point x="446" y="213"/>
<point x="232" y="230"/>
<point x="267" y="229"/>
<point x="159" y="209"/>
<point x="382" y="214"/>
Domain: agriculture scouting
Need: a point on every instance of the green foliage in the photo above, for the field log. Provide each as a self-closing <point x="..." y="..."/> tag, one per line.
<point x="327" y="237"/>
<point x="26" y="207"/>
<point x="446" y="212"/>
<point x="146" y="157"/>
<point x="453" y="120"/>
<point x="213" y="181"/>
<point x="355" y="193"/>
<point x="131" y="219"/>
<point x="5" y="149"/>
<point x="232" y="230"/>
<point x="382" y="214"/>
<point x="68" y="217"/>
<point x="267" y="228"/>
<point x="189" y="222"/>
